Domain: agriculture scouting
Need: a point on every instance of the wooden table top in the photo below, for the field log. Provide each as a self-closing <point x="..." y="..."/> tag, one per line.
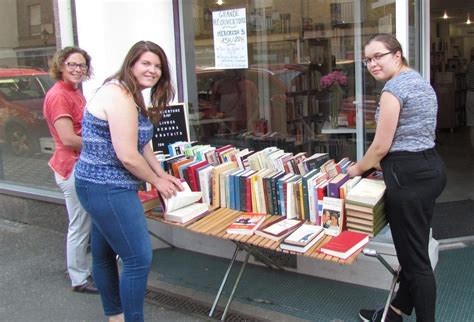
<point x="217" y="221"/>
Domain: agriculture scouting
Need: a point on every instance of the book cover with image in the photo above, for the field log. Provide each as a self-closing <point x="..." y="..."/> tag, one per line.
<point x="246" y="224"/>
<point x="332" y="218"/>
<point x="303" y="238"/>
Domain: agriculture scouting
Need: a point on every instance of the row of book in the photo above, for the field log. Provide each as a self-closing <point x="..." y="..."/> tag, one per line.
<point x="273" y="181"/>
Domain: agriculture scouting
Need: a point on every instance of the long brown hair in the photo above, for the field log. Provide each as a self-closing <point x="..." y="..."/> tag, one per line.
<point x="160" y="94"/>
<point x="390" y="42"/>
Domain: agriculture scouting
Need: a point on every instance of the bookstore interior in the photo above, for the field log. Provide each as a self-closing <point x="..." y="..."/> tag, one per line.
<point x="304" y="78"/>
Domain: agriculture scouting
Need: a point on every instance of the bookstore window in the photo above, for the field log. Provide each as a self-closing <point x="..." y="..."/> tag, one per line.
<point x="25" y="143"/>
<point x="298" y="88"/>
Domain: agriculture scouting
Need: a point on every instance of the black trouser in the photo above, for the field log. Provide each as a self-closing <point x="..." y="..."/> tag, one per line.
<point x="414" y="180"/>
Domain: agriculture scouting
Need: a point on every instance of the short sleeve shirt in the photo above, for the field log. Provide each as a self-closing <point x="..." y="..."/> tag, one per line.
<point x="418" y="110"/>
<point x="63" y="100"/>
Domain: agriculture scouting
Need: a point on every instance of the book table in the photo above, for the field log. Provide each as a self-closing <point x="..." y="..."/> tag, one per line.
<point x="215" y="224"/>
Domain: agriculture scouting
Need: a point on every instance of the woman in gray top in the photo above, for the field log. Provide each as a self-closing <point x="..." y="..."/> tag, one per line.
<point x="413" y="172"/>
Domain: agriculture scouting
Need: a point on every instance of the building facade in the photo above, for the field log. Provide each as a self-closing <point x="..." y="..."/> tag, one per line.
<point x="251" y="73"/>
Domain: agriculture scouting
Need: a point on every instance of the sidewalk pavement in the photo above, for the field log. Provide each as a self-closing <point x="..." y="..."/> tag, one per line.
<point x="34" y="287"/>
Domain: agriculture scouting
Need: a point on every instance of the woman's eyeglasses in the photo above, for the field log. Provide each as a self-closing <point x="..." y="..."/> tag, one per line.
<point x="73" y="66"/>
<point x="376" y="58"/>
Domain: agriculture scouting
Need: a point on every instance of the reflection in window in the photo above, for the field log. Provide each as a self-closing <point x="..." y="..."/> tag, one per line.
<point x="25" y="143"/>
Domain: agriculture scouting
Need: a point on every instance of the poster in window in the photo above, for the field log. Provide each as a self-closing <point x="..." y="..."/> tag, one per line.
<point x="230" y="38"/>
<point x="173" y="127"/>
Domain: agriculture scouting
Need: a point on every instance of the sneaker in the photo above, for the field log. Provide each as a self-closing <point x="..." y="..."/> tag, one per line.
<point x="376" y="315"/>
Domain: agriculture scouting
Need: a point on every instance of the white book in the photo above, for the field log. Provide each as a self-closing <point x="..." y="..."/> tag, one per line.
<point x="184" y="206"/>
<point x="303" y="238"/>
<point x="367" y="192"/>
<point x="204" y="175"/>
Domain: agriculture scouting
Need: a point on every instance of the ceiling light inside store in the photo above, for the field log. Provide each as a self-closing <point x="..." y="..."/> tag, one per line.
<point x="445" y="16"/>
<point x="468" y="21"/>
<point x="219" y="2"/>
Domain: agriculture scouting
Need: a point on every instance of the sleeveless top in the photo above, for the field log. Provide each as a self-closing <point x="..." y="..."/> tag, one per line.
<point x="418" y="110"/>
<point x="98" y="162"/>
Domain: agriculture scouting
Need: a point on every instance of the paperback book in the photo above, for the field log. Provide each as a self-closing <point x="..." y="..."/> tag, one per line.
<point x="184" y="206"/>
<point x="302" y="238"/>
<point x="279" y="229"/>
<point x="332" y="218"/>
<point x="246" y="224"/>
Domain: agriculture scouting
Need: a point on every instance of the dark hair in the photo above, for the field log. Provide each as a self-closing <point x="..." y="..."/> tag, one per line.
<point x="60" y="57"/>
<point x="162" y="93"/>
<point x="390" y="42"/>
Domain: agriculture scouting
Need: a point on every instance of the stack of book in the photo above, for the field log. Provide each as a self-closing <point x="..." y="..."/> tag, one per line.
<point x="365" y="207"/>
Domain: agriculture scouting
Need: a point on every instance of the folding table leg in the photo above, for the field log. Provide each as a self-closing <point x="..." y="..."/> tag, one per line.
<point x="267" y="261"/>
<point x="235" y="286"/>
<point x="226" y="275"/>
<point x="395" y="272"/>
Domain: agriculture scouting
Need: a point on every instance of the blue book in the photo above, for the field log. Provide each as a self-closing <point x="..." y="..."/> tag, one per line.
<point x="232" y="176"/>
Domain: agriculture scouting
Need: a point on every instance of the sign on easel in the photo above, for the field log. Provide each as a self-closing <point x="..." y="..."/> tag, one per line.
<point x="173" y="127"/>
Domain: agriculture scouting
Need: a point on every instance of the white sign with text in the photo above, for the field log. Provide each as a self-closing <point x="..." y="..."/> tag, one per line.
<point x="230" y="38"/>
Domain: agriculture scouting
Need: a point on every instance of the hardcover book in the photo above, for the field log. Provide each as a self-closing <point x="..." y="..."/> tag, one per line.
<point x="302" y="238"/>
<point x="346" y="244"/>
<point x="149" y="199"/>
<point x="246" y="224"/>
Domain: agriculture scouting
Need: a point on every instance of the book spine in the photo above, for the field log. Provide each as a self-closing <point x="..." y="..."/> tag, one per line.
<point x="273" y="185"/>
<point x="306" y="210"/>
<point x="268" y="195"/>
<point x="215" y="188"/>
<point x="249" y="195"/>
<point x="243" y="194"/>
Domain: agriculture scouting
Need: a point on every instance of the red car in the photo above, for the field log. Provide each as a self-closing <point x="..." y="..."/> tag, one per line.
<point x="22" y="124"/>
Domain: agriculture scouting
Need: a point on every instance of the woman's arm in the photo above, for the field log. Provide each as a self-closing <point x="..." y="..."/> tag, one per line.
<point x="122" y="116"/>
<point x="384" y="133"/>
<point x="68" y="137"/>
<point x="154" y="164"/>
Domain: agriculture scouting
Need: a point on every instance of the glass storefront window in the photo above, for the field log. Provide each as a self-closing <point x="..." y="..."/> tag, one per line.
<point x="299" y="89"/>
<point x="27" y="42"/>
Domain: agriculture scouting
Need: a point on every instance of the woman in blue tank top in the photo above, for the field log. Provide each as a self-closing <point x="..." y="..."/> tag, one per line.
<point x="413" y="172"/>
<point x="116" y="156"/>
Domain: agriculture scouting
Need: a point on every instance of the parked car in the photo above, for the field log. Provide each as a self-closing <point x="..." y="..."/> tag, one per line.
<point x="22" y="123"/>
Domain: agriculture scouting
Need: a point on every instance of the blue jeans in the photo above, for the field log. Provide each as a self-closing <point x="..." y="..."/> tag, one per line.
<point x="118" y="228"/>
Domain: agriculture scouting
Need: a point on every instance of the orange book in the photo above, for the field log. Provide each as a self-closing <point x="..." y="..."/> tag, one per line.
<point x="175" y="167"/>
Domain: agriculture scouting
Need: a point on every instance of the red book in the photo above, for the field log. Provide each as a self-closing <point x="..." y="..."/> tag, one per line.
<point x="149" y="199"/>
<point x="346" y="244"/>
<point x="191" y="172"/>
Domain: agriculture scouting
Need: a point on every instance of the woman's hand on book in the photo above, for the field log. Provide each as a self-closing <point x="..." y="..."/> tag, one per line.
<point x="168" y="185"/>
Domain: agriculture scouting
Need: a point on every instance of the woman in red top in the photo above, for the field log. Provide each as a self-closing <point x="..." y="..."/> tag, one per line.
<point x="63" y="110"/>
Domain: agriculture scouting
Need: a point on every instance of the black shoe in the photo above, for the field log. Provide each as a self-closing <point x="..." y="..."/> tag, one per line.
<point x="376" y="315"/>
<point x="87" y="287"/>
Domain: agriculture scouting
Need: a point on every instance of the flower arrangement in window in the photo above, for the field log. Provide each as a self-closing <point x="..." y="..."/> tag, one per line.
<point x="335" y="78"/>
<point x="333" y="82"/>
